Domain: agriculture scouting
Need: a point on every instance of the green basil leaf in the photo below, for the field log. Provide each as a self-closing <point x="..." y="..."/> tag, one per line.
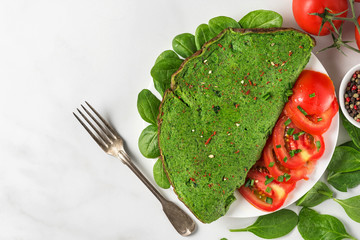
<point x="344" y="181"/>
<point x="316" y="195"/>
<point x="353" y="131"/>
<point x="273" y="225"/>
<point x="184" y="44"/>
<point x="217" y="24"/>
<point x="351" y="207"/>
<point x="148" y="142"/>
<point x="313" y="225"/>
<point x="160" y="175"/>
<point x="203" y="35"/>
<point x="166" y="55"/>
<point x="261" y="19"/>
<point x="345" y="159"/>
<point x="148" y="106"/>
<point x="162" y="71"/>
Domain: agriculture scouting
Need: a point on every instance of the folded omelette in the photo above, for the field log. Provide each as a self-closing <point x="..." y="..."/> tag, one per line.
<point x="222" y="106"/>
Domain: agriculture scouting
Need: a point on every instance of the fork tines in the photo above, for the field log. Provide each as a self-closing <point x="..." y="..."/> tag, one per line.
<point x="105" y="134"/>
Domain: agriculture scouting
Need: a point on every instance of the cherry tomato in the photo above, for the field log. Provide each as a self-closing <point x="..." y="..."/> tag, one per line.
<point x="313" y="91"/>
<point x="312" y="124"/>
<point x="266" y="197"/>
<point x="310" y="23"/>
<point x="357" y="34"/>
<point x="279" y="171"/>
<point x="294" y="147"/>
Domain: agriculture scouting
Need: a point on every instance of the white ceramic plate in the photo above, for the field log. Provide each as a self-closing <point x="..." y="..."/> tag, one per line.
<point x="241" y="208"/>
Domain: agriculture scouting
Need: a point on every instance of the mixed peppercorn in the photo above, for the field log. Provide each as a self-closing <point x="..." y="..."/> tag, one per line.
<point x="352" y="96"/>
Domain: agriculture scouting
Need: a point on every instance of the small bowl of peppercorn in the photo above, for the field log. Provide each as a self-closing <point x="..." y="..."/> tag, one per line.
<point x="349" y="95"/>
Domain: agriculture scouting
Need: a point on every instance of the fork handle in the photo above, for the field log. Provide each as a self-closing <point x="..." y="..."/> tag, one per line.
<point x="181" y="221"/>
<point x="124" y="157"/>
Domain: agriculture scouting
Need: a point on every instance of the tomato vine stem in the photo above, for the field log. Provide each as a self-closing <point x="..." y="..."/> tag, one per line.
<point x="336" y="34"/>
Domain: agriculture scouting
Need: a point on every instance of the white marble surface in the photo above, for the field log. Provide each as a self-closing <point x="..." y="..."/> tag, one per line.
<point x="55" y="183"/>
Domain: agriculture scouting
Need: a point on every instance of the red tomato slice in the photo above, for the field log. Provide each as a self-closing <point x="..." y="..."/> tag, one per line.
<point x="294" y="147"/>
<point x="266" y="197"/>
<point x="312" y="124"/>
<point x="313" y="91"/>
<point x="279" y="171"/>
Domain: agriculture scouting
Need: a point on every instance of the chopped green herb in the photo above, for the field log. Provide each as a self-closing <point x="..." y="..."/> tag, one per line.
<point x="280" y="178"/>
<point x="318" y="145"/>
<point x="293" y="152"/>
<point x="297" y="135"/>
<point x="269" y="200"/>
<point x="291" y="131"/>
<point x="252" y="182"/>
<point x="248" y="182"/>
<point x="289" y="93"/>
<point x="287" y="177"/>
<point x="266" y="96"/>
<point x="268" y="189"/>
<point x="287" y="122"/>
<point x="278" y="146"/>
<point x="271" y="164"/>
<point x="268" y="179"/>
<point x="302" y="110"/>
<point x="319" y="119"/>
<point x="285" y="159"/>
<point x="312" y="95"/>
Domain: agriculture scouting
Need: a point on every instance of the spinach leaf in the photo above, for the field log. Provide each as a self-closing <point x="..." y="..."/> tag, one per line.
<point x="160" y="175"/>
<point x="261" y="19"/>
<point x="353" y="131"/>
<point x="148" y="142"/>
<point x="351" y="207"/>
<point x="162" y="71"/>
<point x="166" y="55"/>
<point x="273" y="225"/>
<point x="317" y="194"/>
<point x="148" y="106"/>
<point x="345" y="159"/>
<point x="203" y="35"/>
<point x="343" y="181"/>
<point x="217" y="24"/>
<point x="184" y="44"/>
<point x="351" y="144"/>
<point x="313" y="225"/>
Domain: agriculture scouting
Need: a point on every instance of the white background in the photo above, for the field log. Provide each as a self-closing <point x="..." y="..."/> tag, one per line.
<point x="55" y="182"/>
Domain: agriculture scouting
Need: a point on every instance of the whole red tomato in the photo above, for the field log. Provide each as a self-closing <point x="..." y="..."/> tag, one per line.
<point x="357" y="34"/>
<point x="312" y="23"/>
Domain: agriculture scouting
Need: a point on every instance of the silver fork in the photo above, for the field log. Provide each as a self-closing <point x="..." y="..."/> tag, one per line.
<point x="111" y="142"/>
